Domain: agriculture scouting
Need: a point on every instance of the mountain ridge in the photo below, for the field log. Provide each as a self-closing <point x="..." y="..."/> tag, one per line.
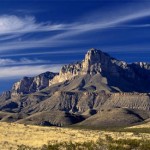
<point x="95" y="62"/>
<point x="99" y="82"/>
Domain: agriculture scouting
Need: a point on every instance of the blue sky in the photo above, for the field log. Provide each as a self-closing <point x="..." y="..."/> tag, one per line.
<point x="41" y="35"/>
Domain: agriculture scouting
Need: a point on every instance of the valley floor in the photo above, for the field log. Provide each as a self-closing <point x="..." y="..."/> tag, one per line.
<point x="12" y="135"/>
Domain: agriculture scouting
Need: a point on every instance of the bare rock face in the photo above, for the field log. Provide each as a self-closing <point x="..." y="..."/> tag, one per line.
<point x="41" y="81"/>
<point x="32" y="84"/>
<point x="141" y="70"/>
<point x="22" y="86"/>
<point x="99" y="83"/>
<point x="97" y="71"/>
<point x="98" y="62"/>
<point x="5" y="95"/>
<point x="95" y="62"/>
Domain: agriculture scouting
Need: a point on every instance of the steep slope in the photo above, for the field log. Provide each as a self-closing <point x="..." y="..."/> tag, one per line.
<point x="98" y="82"/>
<point x="29" y="85"/>
<point x="95" y="62"/>
<point x="109" y="72"/>
<point x="48" y="118"/>
<point x="115" y="117"/>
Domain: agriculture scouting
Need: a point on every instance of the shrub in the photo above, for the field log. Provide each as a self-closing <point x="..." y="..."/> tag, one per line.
<point x="108" y="144"/>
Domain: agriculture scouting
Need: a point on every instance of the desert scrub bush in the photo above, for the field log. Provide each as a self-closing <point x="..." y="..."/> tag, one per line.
<point x="70" y="146"/>
<point x="101" y="144"/>
<point x="108" y="138"/>
<point x="128" y="144"/>
<point x="24" y="147"/>
<point x="50" y="146"/>
<point x="145" y="145"/>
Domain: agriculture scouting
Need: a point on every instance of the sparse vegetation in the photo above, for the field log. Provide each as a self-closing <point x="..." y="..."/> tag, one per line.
<point x="26" y="137"/>
<point x="108" y="144"/>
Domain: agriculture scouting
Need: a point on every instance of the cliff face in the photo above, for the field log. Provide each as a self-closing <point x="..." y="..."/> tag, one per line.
<point x="98" y="62"/>
<point x="95" y="62"/>
<point x="32" y="84"/>
<point x="99" y="83"/>
<point x="115" y="73"/>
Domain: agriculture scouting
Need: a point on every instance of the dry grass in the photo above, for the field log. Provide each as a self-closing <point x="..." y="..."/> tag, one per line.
<point x="12" y="134"/>
<point x="145" y="125"/>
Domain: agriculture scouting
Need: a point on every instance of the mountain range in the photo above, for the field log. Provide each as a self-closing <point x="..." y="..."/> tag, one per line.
<point x="99" y="91"/>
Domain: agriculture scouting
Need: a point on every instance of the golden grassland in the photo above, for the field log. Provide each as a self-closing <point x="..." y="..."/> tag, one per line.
<point x="145" y="125"/>
<point x="12" y="135"/>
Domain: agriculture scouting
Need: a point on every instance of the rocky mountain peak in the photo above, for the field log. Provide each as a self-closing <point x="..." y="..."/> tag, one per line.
<point x="96" y="56"/>
<point x="95" y="61"/>
<point x="32" y="84"/>
<point x="98" y="88"/>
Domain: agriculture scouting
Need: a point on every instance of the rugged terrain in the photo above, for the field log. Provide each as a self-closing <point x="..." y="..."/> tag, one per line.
<point x="99" y="91"/>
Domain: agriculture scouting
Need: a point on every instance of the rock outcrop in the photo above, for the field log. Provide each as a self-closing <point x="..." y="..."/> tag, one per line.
<point x="32" y="84"/>
<point x="98" y="62"/>
<point x="95" y="62"/>
<point x="116" y="74"/>
<point x="94" y="88"/>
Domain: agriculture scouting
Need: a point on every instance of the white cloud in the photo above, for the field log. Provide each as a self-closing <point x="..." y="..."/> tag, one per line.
<point x="136" y="25"/>
<point x="47" y="42"/>
<point x="20" y="71"/>
<point x="13" y="25"/>
<point x="72" y="51"/>
<point x="115" y="20"/>
<point x="9" y="37"/>
<point x="22" y="61"/>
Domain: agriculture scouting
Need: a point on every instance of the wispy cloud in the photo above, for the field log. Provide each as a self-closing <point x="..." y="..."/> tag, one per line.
<point x="14" y="26"/>
<point x="11" y="24"/>
<point x="136" y="26"/>
<point x="9" y="37"/>
<point x="103" y="23"/>
<point x="22" y="61"/>
<point x="72" y="51"/>
<point x="20" y="71"/>
<point x="39" y="43"/>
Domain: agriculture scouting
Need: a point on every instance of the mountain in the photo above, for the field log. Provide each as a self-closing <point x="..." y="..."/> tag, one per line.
<point x="114" y="74"/>
<point x="91" y="90"/>
<point x="29" y="85"/>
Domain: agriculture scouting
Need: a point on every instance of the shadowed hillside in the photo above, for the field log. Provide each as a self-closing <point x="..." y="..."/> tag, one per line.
<point x="118" y="93"/>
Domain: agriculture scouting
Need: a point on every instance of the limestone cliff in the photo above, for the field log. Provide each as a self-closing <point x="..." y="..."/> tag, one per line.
<point x="98" y="71"/>
<point x="95" y="62"/>
<point x="100" y="87"/>
<point x="32" y="84"/>
<point x="98" y="62"/>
